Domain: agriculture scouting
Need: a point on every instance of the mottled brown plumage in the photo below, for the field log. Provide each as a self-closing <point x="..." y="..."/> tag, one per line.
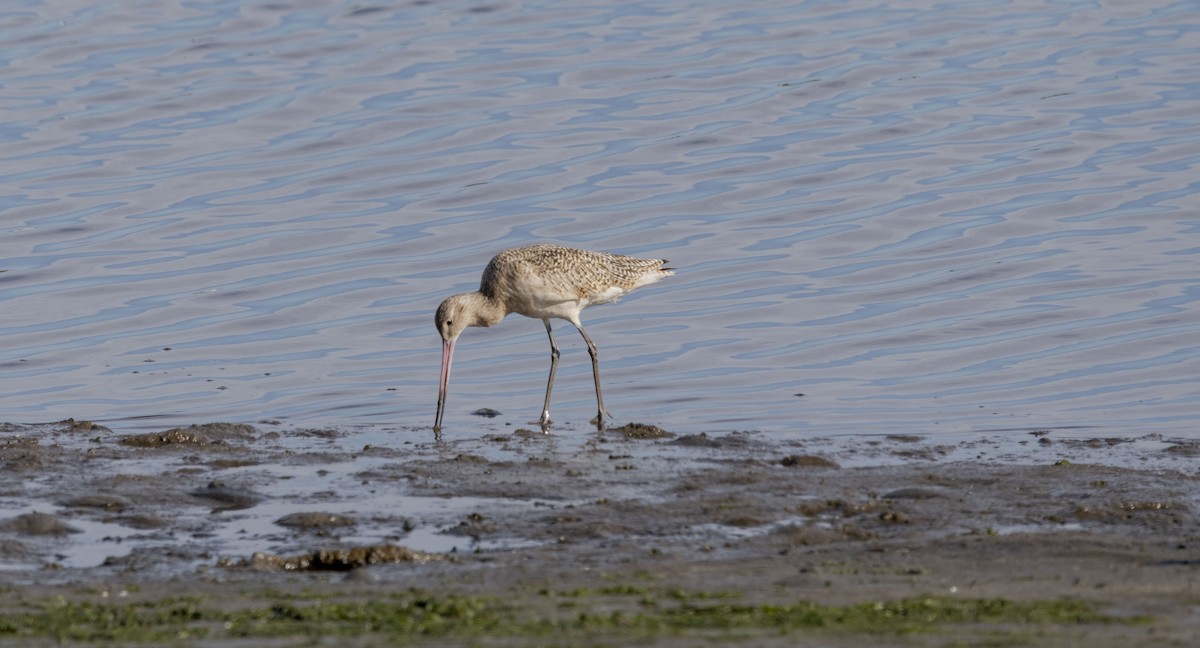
<point x="543" y="281"/>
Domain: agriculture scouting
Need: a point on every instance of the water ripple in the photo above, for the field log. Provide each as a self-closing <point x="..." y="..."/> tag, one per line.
<point x="928" y="217"/>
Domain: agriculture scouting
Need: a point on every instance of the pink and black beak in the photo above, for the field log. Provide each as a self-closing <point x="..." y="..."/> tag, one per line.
<point x="443" y="385"/>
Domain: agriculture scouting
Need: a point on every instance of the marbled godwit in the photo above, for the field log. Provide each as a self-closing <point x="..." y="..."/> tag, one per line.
<point x="542" y="281"/>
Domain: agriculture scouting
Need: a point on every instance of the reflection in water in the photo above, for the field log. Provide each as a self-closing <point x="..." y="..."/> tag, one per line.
<point x="936" y="217"/>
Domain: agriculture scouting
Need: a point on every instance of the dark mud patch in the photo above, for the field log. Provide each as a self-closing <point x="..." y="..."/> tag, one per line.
<point x="37" y="524"/>
<point x="21" y="454"/>
<point x="81" y="427"/>
<point x="195" y="435"/>
<point x="641" y="431"/>
<point x="143" y="521"/>
<point x="106" y="502"/>
<point x="314" y="521"/>
<point x="475" y="525"/>
<point x="808" y="461"/>
<point x="734" y="441"/>
<point x="1095" y="442"/>
<point x="914" y="493"/>
<point x="221" y="464"/>
<point x="335" y="559"/>
<point x="15" y="551"/>
<point x="319" y="433"/>
<point x="1191" y="449"/>
<point x="934" y="453"/>
<point x="228" y="498"/>
<point x="904" y="438"/>
<point x="1153" y="514"/>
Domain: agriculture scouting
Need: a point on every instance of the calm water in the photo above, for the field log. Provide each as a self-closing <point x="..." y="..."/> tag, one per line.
<point x="929" y="217"/>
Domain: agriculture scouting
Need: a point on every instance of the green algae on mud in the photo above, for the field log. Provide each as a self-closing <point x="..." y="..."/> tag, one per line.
<point x="629" y="612"/>
<point x="402" y="614"/>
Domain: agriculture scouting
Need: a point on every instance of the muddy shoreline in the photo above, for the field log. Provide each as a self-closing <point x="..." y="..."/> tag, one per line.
<point x="635" y="520"/>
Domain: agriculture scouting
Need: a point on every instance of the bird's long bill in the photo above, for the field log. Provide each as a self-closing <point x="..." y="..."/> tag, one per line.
<point x="447" y="356"/>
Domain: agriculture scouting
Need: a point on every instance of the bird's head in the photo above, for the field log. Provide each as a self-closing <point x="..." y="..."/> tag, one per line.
<point x="454" y="315"/>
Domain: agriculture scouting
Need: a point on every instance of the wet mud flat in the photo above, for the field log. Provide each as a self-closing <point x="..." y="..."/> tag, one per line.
<point x="235" y="534"/>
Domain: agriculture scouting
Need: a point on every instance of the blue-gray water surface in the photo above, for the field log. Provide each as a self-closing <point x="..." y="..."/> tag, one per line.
<point x="903" y="216"/>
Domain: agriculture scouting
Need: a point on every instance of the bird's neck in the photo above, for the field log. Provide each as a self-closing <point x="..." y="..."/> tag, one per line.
<point x="487" y="311"/>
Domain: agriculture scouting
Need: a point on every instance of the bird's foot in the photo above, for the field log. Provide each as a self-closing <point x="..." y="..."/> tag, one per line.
<point x="599" y="420"/>
<point x="543" y="422"/>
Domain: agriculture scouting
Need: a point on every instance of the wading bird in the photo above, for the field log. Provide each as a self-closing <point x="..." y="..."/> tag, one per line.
<point x="544" y="282"/>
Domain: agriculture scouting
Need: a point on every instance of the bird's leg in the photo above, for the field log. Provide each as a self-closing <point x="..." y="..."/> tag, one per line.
<point x="599" y="420"/>
<point x="545" y="420"/>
